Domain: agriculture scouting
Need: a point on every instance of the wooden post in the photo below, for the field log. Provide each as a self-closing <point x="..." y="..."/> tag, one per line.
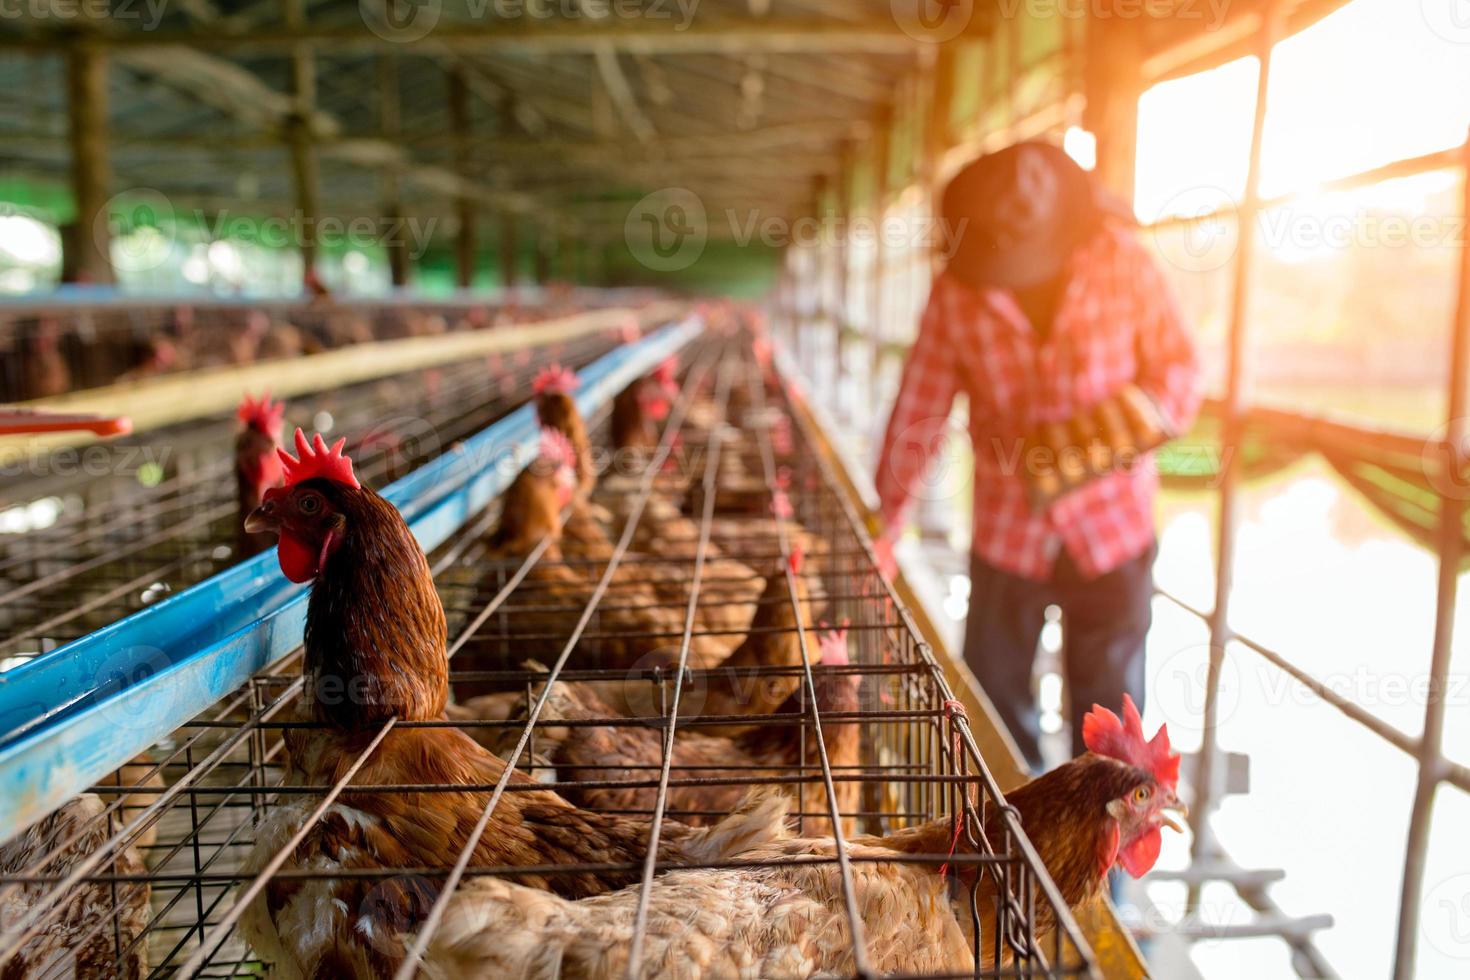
<point x="304" y="172"/>
<point x="460" y="122"/>
<point x="1112" y="83"/>
<point x="509" y="250"/>
<point x="88" y="240"/>
<point x="545" y="250"/>
<point x="882" y="137"/>
<point x="396" y="243"/>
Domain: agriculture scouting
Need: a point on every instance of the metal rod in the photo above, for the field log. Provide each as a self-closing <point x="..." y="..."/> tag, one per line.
<point x="1451" y="544"/>
<point x="1205" y="789"/>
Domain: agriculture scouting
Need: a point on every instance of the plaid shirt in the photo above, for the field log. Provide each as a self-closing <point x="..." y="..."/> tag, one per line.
<point x="1117" y="324"/>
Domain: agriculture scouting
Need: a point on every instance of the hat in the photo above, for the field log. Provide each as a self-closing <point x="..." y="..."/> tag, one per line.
<point x="1019" y="213"/>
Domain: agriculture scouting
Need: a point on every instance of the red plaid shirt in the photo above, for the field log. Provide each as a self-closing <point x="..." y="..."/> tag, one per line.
<point x="1117" y="324"/>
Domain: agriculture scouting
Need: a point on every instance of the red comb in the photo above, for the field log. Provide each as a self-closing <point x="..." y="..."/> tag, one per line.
<point x="1123" y="740"/>
<point x="664" y="373"/>
<point x="556" y="448"/>
<point x="314" y="460"/>
<point x="797" y="557"/>
<point x="555" y="380"/>
<point x="262" y="413"/>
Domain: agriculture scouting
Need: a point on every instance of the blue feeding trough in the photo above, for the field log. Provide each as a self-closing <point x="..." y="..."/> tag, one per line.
<point x="75" y="714"/>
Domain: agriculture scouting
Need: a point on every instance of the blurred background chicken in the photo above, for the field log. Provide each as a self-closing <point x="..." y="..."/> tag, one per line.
<point x="632" y="625"/>
<point x="257" y="467"/>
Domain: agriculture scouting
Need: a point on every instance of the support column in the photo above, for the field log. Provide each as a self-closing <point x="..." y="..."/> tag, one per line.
<point x="882" y="136"/>
<point x="1112" y="83"/>
<point x="87" y="241"/>
<point x="464" y="208"/>
<point x="304" y="169"/>
<point x="545" y="251"/>
<point x="1209" y="778"/>
<point x="509" y="250"/>
<point x="396" y="243"/>
<point x="1451" y="543"/>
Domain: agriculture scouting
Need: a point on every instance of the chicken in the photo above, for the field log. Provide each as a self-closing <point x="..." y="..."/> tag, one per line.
<point x="637" y="408"/>
<point x="728" y="589"/>
<point x="633" y="753"/>
<point x="257" y="467"/>
<point x="46" y="373"/>
<point x="1104" y="808"/>
<point x="553" y="387"/>
<point x="632" y="626"/>
<point x="82" y="934"/>
<point x="374" y="655"/>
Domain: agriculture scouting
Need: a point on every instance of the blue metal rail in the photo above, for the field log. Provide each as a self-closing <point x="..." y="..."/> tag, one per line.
<point x="74" y="715"/>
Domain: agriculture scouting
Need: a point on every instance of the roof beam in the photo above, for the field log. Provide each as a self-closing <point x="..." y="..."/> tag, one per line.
<point x="734" y="37"/>
<point x="621" y="94"/>
<point x="724" y="145"/>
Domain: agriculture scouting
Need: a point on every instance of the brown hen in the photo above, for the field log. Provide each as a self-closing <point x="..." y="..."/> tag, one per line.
<point x="374" y="658"/>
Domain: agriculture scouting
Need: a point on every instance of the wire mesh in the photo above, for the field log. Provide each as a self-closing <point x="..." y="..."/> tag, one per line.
<point x="866" y="743"/>
<point x="159" y="512"/>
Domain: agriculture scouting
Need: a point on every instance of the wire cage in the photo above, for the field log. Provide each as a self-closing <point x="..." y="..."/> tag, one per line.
<point x="81" y="342"/>
<point x="145" y="516"/>
<point x="867" y="743"/>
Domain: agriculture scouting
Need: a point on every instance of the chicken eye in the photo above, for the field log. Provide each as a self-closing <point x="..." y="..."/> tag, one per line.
<point x="310" y="504"/>
<point x="1141" y="794"/>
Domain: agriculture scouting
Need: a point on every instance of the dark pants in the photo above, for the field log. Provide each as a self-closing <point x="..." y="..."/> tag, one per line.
<point x="1104" y="623"/>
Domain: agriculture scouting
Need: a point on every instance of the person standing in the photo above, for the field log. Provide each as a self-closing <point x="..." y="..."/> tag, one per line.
<point x="1048" y="313"/>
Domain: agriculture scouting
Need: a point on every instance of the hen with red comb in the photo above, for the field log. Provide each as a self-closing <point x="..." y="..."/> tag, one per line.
<point x="314" y="460"/>
<point x="262" y="414"/>
<point x="555" y="380"/>
<point x="1105" y="734"/>
<point x="257" y="467"/>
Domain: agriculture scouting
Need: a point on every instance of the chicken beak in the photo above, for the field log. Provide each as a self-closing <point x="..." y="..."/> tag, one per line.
<point x="263" y="518"/>
<point x="1177" y="807"/>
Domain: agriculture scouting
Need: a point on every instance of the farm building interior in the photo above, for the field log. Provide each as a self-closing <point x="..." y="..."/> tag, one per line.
<point x="516" y="488"/>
